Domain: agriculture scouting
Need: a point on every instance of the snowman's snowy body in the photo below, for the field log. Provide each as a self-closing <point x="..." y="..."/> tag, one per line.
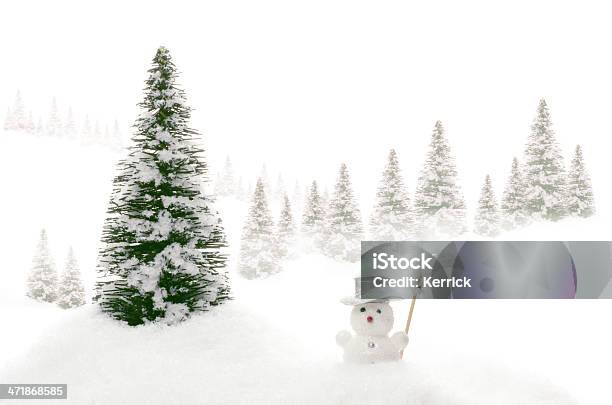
<point x="372" y="323"/>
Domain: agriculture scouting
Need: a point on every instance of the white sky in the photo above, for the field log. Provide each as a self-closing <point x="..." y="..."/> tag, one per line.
<point x="306" y="86"/>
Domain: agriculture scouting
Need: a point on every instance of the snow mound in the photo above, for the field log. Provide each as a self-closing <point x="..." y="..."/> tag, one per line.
<point x="230" y="356"/>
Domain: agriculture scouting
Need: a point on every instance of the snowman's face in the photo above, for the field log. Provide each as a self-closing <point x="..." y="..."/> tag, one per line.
<point x="373" y="319"/>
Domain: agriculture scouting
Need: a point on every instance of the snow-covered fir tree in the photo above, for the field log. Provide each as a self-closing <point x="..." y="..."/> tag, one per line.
<point x="217" y="183"/>
<point x="226" y="185"/>
<point x="162" y="257"/>
<point x="18" y="120"/>
<point x="86" y="131"/>
<point x="258" y="253"/>
<point x="263" y="175"/>
<point x="285" y="231"/>
<point x="279" y="189"/>
<point x="54" y="122"/>
<point x="325" y="201"/>
<point x="486" y="222"/>
<point x="8" y="120"/>
<point x="117" y="138"/>
<point x="544" y="172"/>
<point x="30" y="126"/>
<point x="108" y="141"/>
<point x="40" y="129"/>
<point x="70" y="291"/>
<point x="439" y="203"/>
<point x="69" y="126"/>
<point x="313" y="215"/>
<point x="42" y="280"/>
<point x="392" y="216"/>
<point x="19" y="114"/>
<point x="580" y="200"/>
<point x="297" y="197"/>
<point x="513" y="212"/>
<point x="343" y="229"/>
<point x="96" y="133"/>
<point x="240" y="191"/>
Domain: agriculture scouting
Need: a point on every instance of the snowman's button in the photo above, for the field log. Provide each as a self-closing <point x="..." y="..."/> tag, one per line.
<point x="371" y="344"/>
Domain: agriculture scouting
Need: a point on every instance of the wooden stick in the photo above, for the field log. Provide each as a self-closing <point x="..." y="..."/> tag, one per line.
<point x="408" y="321"/>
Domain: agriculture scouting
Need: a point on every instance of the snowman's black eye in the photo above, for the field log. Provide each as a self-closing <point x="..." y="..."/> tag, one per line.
<point x="379" y="311"/>
<point x="362" y="309"/>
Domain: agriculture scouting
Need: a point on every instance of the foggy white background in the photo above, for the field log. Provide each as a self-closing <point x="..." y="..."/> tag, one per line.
<point x="304" y="86"/>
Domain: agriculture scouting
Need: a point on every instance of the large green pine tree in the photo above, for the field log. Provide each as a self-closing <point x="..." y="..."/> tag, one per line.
<point x="161" y="257"/>
<point x="258" y="250"/>
<point x="513" y="213"/>
<point x="486" y="222"/>
<point x="544" y="172"/>
<point x="392" y="217"/>
<point x="343" y="230"/>
<point x="439" y="202"/>
<point x="580" y="200"/>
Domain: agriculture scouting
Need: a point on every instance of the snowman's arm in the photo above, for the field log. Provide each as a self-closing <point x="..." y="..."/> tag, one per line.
<point x="400" y="340"/>
<point x="343" y="337"/>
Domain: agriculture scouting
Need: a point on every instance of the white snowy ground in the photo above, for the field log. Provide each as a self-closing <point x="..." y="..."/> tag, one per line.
<point x="274" y="344"/>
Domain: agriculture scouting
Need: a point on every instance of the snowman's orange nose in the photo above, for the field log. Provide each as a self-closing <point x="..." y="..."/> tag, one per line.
<point x="370" y="319"/>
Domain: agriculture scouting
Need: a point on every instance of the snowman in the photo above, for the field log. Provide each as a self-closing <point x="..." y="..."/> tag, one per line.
<point x="372" y="321"/>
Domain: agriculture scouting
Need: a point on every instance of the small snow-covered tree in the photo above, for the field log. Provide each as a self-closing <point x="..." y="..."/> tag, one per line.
<point x="42" y="280"/>
<point x="580" y="200"/>
<point x="69" y="126"/>
<point x="96" y="134"/>
<point x="226" y="185"/>
<point x="439" y="202"/>
<point x="9" y="123"/>
<point x="162" y="257"/>
<point x="117" y="138"/>
<point x="258" y="254"/>
<point x="40" y="129"/>
<point x="217" y="183"/>
<point x="54" y="123"/>
<point x="513" y="213"/>
<point x="325" y="199"/>
<point x="544" y="172"/>
<point x="263" y="175"/>
<point x="279" y="190"/>
<point x="70" y="291"/>
<point x="240" y="192"/>
<point x="19" y="114"/>
<point x="392" y="217"/>
<point x="343" y="230"/>
<point x="486" y="222"/>
<point x="314" y="214"/>
<point x="17" y="119"/>
<point x="285" y="231"/>
<point x="297" y="197"/>
<point x="30" y="126"/>
<point x="108" y="141"/>
<point x="86" y="134"/>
